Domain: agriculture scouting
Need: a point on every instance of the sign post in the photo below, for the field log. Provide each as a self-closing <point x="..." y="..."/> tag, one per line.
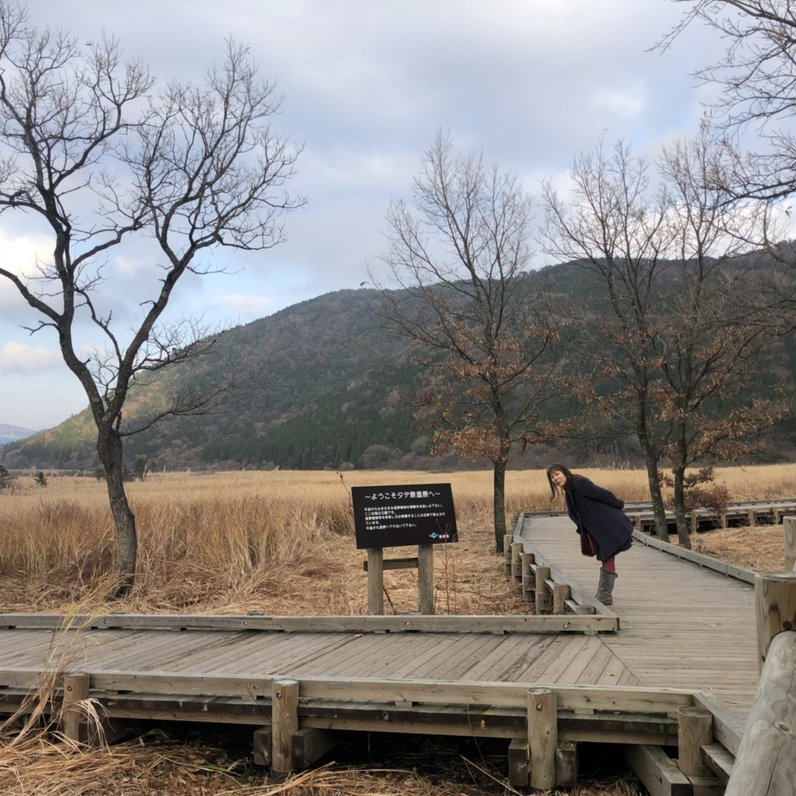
<point x="395" y="516"/>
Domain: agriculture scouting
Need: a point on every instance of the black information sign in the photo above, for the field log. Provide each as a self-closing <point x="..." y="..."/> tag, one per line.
<point x="390" y="516"/>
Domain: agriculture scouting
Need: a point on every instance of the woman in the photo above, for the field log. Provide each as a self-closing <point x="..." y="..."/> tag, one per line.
<point x="605" y="530"/>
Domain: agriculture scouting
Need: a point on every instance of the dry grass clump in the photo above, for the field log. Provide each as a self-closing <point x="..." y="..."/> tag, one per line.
<point x="757" y="547"/>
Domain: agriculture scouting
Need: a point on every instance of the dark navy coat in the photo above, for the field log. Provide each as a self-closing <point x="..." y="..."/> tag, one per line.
<point x="598" y="512"/>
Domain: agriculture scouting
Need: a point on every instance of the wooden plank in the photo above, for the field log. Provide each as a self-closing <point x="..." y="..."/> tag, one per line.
<point x="660" y="775"/>
<point x="718" y="760"/>
<point x="394" y="563"/>
<point x="520" y="623"/>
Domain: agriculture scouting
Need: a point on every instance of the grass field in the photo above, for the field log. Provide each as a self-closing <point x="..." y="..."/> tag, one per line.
<point x="282" y="543"/>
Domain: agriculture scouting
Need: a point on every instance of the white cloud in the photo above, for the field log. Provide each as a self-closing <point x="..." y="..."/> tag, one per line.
<point x="27" y="359"/>
<point x="623" y="104"/>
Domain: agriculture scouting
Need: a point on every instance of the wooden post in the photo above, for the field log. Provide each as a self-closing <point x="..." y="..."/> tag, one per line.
<point x="375" y="580"/>
<point x="516" y="561"/>
<point x="789" y="538"/>
<point x="284" y="724"/>
<point x="507" y="541"/>
<point x="542" y="594"/>
<point x="528" y="579"/>
<point x="425" y="578"/>
<point x="542" y="737"/>
<point x="694" y="730"/>
<point x="76" y="689"/>
<point x="766" y="760"/>
<point x="560" y="595"/>
<point x="694" y="521"/>
<point x="775" y="600"/>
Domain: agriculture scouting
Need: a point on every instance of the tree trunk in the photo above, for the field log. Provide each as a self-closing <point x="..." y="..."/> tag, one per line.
<point x="109" y="448"/>
<point x="499" y="502"/>
<point x="679" y="506"/>
<point x="653" y="482"/>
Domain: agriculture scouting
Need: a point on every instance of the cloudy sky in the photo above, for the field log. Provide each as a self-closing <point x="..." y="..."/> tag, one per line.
<point x="366" y="86"/>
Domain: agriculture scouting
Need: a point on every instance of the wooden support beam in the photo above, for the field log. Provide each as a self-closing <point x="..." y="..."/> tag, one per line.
<point x="262" y="743"/>
<point x="707" y="786"/>
<point x="76" y="689"/>
<point x="507" y="542"/>
<point x="789" y="540"/>
<point x="542" y="737"/>
<point x="375" y="580"/>
<point x="694" y="730"/>
<point x="658" y="773"/>
<point x="566" y="764"/>
<point x="766" y="759"/>
<point x="543" y="597"/>
<point x="284" y="723"/>
<point x="425" y="579"/>
<point x="309" y="746"/>
<point x="519" y="763"/>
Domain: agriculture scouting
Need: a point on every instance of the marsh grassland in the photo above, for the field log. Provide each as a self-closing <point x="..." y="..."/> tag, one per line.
<point x="282" y="542"/>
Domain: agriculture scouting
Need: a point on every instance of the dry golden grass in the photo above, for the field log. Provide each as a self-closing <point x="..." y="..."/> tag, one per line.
<point x="281" y="543"/>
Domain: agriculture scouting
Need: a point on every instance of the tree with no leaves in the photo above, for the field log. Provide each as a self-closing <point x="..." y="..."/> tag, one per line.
<point x="675" y="357"/>
<point x="757" y="78"/>
<point x="459" y="256"/>
<point x="613" y="226"/>
<point x="710" y="334"/>
<point x="96" y="152"/>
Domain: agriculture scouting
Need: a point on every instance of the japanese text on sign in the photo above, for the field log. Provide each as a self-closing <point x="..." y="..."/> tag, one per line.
<point x="392" y="516"/>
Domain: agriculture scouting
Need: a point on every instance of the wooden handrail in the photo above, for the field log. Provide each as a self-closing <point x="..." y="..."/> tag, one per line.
<point x="766" y="759"/>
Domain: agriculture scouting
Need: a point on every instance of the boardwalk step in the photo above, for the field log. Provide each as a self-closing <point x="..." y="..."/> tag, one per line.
<point x="719" y="760"/>
<point x="658" y="772"/>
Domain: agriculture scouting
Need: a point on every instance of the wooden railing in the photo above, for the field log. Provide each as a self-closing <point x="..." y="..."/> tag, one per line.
<point x="546" y="586"/>
<point x="766" y="759"/>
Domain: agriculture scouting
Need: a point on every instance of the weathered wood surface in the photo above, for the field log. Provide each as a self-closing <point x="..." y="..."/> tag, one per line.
<point x="509" y="657"/>
<point x="766" y="760"/>
<point x="682" y="625"/>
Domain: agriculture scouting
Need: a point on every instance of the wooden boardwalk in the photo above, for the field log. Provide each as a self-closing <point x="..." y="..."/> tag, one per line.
<point x="681" y="624"/>
<point x="489" y="656"/>
<point x="679" y="637"/>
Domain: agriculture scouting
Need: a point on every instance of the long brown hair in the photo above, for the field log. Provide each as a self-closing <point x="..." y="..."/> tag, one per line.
<point x="554" y="491"/>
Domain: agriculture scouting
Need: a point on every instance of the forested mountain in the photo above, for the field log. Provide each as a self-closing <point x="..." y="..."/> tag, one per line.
<point x="324" y="383"/>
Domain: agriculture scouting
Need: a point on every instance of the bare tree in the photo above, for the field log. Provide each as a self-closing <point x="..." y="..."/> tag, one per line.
<point x="757" y="78"/>
<point x="614" y="227"/>
<point x="459" y="256"/>
<point x="97" y="153"/>
<point x="710" y="337"/>
<point x="675" y="356"/>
